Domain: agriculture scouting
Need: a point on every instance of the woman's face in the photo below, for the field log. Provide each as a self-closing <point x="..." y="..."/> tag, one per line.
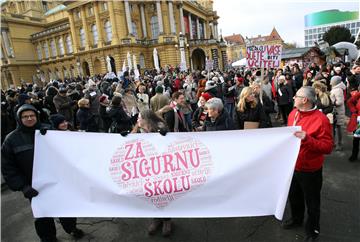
<point x="250" y="97"/>
<point x="213" y="113"/>
<point x="142" y="89"/>
<point x="202" y="101"/>
<point x="63" y="125"/>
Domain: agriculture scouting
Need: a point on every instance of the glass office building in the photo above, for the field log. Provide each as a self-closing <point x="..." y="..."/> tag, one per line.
<point x="316" y="24"/>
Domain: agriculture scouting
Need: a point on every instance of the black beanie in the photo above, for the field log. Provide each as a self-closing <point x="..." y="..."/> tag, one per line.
<point x="56" y="119"/>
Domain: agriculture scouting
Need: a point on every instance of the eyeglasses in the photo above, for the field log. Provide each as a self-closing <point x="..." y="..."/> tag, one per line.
<point x="28" y="116"/>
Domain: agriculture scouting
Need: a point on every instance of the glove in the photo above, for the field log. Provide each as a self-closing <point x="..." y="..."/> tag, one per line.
<point x="124" y="133"/>
<point x="29" y="192"/>
<point x="163" y="131"/>
<point x="193" y="89"/>
<point x="141" y="100"/>
<point x="43" y="131"/>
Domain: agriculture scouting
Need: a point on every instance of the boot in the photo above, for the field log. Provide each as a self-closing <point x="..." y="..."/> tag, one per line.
<point x="155" y="224"/>
<point x="166" y="229"/>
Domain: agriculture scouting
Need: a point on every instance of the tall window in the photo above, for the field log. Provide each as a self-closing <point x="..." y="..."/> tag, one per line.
<point x="134" y="29"/>
<point x="78" y="15"/>
<point x="91" y="11"/>
<point x="69" y="44"/>
<point x="39" y="53"/>
<point x="61" y="46"/>
<point x="108" y="31"/>
<point x="82" y="37"/>
<point x="154" y="27"/>
<point x="46" y="50"/>
<point x="53" y="48"/>
<point x="142" y="61"/>
<point x="95" y="34"/>
<point x="201" y="30"/>
<point x="104" y="6"/>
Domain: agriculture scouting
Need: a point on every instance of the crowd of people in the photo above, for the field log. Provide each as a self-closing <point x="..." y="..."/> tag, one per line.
<point x="313" y="97"/>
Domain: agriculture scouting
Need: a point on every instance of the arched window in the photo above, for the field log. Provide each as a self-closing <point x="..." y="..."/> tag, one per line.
<point x="154" y="27"/>
<point x="134" y="29"/>
<point x="53" y="48"/>
<point x="46" y="50"/>
<point x="108" y="31"/>
<point x="69" y="44"/>
<point x="95" y="34"/>
<point x="82" y="37"/>
<point x="142" y="61"/>
<point x="61" y="46"/>
<point x="39" y="53"/>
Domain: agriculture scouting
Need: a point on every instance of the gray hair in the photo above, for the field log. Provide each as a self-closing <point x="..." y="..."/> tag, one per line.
<point x="309" y="93"/>
<point x="215" y="103"/>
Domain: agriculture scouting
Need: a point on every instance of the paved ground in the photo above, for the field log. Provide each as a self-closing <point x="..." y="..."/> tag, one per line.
<point x="340" y="220"/>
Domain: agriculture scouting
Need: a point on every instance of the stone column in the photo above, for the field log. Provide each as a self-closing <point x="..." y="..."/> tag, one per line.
<point x="73" y="32"/>
<point x="204" y="27"/>
<point x="143" y="23"/>
<point x="190" y="26"/>
<point x="171" y="17"/>
<point x="115" y="34"/>
<point x="182" y="19"/>
<point x="128" y="17"/>
<point x="198" y="28"/>
<point x="85" y="27"/>
<point x="216" y="32"/>
<point x="99" y="25"/>
<point x="159" y="15"/>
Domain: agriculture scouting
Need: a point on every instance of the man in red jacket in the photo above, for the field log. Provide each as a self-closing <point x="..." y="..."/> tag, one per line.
<point x="316" y="141"/>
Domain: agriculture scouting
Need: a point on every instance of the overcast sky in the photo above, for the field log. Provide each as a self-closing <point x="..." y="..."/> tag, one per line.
<point x="258" y="17"/>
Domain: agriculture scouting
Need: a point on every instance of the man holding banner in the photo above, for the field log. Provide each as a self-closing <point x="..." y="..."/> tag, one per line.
<point x="316" y="141"/>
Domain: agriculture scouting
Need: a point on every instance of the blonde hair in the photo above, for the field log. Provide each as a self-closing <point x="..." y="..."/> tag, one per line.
<point x="83" y="102"/>
<point x="323" y="95"/>
<point x="246" y="91"/>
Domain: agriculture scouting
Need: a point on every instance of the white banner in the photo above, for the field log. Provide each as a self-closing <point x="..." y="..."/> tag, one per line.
<point x="199" y="174"/>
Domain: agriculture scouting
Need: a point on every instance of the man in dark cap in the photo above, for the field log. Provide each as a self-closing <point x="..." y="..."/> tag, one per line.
<point x="64" y="104"/>
<point x="17" y="161"/>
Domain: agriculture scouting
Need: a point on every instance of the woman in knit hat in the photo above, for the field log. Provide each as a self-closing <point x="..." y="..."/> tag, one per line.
<point x="199" y="115"/>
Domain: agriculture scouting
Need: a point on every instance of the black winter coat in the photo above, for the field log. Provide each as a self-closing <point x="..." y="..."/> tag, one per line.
<point x="17" y="155"/>
<point x="256" y="114"/>
<point x="86" y="120"/>
<point x="120" y="119"/>
<point x="286" y="97"/>
<point x="223" y="122"/>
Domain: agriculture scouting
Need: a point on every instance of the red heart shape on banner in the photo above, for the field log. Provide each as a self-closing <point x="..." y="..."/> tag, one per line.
<point x="139" y="169"/>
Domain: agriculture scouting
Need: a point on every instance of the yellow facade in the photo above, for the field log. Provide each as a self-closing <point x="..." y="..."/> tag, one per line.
<point x="46" y="40"/>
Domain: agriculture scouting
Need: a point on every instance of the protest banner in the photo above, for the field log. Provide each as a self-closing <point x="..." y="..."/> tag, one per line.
<point x="263" y="56"/>
<point x="197" y="174"/>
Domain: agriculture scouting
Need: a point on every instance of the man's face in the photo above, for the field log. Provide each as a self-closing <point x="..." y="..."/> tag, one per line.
<point x="28" y="118"/>
<point x="181" y="100"/>
<point x="299" y="99"/>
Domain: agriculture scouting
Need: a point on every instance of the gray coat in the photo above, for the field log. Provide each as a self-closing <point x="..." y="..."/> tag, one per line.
<point x="337" y="98"/>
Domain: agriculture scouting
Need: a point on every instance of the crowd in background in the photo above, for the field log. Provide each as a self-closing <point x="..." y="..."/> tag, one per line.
<point x="102" y="104"/>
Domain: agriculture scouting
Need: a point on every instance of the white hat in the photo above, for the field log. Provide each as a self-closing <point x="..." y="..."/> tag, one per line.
<point x="210" y="84"/>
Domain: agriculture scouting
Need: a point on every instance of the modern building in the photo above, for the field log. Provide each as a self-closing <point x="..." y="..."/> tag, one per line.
<point x="236" y="44"/>
<point x="316" y="24"/>
<point x="45" y="40"/>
